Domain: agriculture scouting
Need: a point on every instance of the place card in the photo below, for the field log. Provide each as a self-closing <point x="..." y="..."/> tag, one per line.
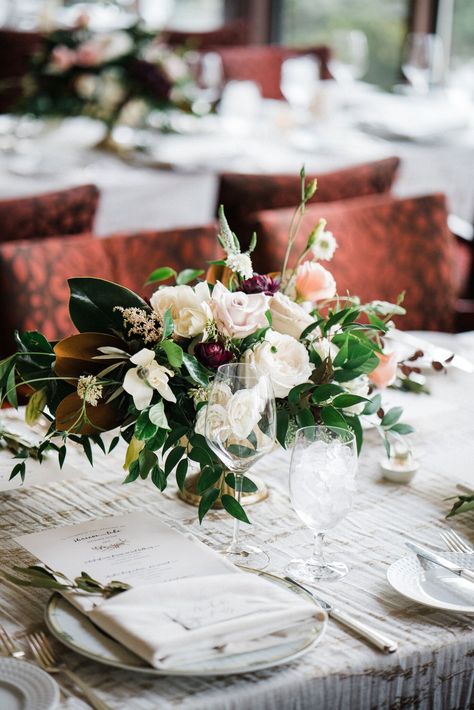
<point x="136" y="548"/>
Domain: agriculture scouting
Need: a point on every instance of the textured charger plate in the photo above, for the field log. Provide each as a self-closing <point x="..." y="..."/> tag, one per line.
<point x="24" y="686"/>
<point x="77" y="632"/>
<point x="432" y="585"/>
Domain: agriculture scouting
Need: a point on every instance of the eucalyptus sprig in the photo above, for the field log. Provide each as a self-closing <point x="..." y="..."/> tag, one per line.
<point x="46" y="578"/>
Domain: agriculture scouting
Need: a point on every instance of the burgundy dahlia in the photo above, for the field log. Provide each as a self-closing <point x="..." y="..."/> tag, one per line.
<point x="212" y="354"/>
<point x="260" y="283"/>
<point x="151" y="79"/>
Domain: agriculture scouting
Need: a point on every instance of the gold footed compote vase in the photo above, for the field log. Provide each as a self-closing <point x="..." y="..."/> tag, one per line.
<point x="241" y="428"/>
<point x="249" y="497"/>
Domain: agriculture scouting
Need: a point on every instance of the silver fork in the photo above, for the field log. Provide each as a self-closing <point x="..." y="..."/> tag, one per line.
<point x="455" y="542"/>
<point x="9" y="645"/>
<point x="46" y="658"/>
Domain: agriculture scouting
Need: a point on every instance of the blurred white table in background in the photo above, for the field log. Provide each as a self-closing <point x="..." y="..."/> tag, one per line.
<point x="174" y="182"/>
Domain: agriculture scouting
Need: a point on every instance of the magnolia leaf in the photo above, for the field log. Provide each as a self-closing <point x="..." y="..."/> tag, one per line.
<point x="93" y="301"/>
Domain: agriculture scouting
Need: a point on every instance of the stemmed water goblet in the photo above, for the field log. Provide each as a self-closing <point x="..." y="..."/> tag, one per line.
<point x="322" y="488"/>
<point x="241" y="428"/>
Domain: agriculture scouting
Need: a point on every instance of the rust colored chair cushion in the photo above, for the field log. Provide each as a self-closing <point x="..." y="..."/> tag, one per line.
<point x="230" y="34"/>
<point x="243" y="195"/>
<point x="262" y="64"/>
<point x="386" y="246"/>
<point x="34" y="293"/>
<point x="64" y="212"/>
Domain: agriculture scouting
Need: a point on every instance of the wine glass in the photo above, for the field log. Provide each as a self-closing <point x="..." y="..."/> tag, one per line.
<point x="322" y="488"/>
<point x="423" y="61"/>
<point x="240" y="428"/>
<point x="299" y="81"/>
<point x="350" y="55"/>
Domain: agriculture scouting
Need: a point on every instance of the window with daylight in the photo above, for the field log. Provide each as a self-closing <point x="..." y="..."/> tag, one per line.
<point x="196" y="14"/>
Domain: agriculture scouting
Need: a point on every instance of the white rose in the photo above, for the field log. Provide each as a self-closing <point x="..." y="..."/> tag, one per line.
<point x="218" y="422"/>
<point x="288" y="317"/>
<point x="189" y="308"/>
<point x="114" y="45"/>
<point x="283" y="359"/>
<point x="244" y="412"/>
<point x="238" y="314"/>
<point x="87" y="86"/>
<point x="358" y="386"/>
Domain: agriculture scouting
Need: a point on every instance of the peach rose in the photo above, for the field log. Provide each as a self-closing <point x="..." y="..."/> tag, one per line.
<point x="314" y="282"/>
<point x="238" y="314"/>
<point x="385" y="372"/>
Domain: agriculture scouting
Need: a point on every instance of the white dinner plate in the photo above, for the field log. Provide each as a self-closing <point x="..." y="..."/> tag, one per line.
<point x="432" y="585"/>
<point x="24" y="686"/>
<point x="77" y="632"/>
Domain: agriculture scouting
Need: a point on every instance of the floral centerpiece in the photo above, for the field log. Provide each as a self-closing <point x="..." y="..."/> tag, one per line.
<point x="144" y="368"/>
<point x="107" y="76"/>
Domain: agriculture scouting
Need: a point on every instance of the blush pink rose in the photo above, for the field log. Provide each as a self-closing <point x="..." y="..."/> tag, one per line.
<point x="238" y="314"/>
<point x="385" y="372"/>
<point x="62" y="58"/>
<point x="314" y="282"/>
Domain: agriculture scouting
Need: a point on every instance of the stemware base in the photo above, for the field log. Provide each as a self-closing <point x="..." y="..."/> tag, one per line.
<point x="313" y="571"/>
<point x="247" y="556"/>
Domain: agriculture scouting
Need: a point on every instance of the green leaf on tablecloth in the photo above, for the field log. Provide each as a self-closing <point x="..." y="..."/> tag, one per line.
<point x="207" y="501"/>
<point x="463" y="505"/>
<point x="18" y="470"/>
<point x="92" y="303"/>
<point x="162" y="274"/>
<point x="234" y="508"/>
<point x="187" y="275"/>
<point x="392" y="416"/>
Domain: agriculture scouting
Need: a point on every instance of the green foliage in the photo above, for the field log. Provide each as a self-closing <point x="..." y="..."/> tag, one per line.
<point x="92" y="302"/>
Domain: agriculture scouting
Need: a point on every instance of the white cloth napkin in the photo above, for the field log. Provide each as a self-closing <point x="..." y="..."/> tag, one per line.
<point x="200" y="618"/>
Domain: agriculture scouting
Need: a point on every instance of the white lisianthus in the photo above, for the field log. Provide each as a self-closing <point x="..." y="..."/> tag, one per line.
<point x="189" y="307"/>
<point x="240" y="264"/>
<point x="149" y="375"/>
<point x="288" y="317"/>
<point x="283" y="359"/>
<point x="325" y="348"/>
<point x="243" y="412"/>
<point x="358" y="386"/>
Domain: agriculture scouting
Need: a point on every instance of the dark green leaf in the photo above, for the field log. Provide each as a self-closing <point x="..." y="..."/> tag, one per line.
<point x="234" y="508"/>
<point x="282" y="426"/>
<point x="248" y="486"/>
<point x="144" y="428"/>
<point x="11" y="388"/>
<point x="181" y="471"/>
<point x="341" y="356"/>
<point x="146" y="461"/>
<point x="331" y="417"/>
<point x="207" y="478"/>
<point x="133" y="472"/>
<point x="174" y="436"/>
<point x="114" y="443"/>
<point x="325" y="392"/>
<point x="304" y="418"/>
<point x="92" y="304"/>
<point x="188" y="275"/>
<point x="296" y="392"/>
<point x="242" y="452"/>
<point x="62" y="455"/>
<point x="86" y="445"/>
<point x="207" y="501"/>
<point x="342" y="401"/>
<point x="18" y="470"/>
<point x="173" y="457"/>
<point x="198" y="373"/>
<point x="200" y="455"/>
<point x="156" y="441"/>
<point x="158" y="477"/>
<point x="162" y="274"/>
<point x="309" y="329"/>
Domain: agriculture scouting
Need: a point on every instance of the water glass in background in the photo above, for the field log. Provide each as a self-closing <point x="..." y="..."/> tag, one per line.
<point x="349" y="55"/>
<point x="240" y="106"/>
<point x="423" y="61"/>
<point x="322" y="489"/>
<point x="299" y="82"/>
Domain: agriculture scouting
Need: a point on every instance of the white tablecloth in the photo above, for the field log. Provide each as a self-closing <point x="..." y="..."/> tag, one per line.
<point x="434" y="665"/>
<point x="137" y="197"/>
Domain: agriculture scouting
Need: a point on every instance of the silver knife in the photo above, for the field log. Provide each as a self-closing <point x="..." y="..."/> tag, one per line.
<point x="435" y="352"/>
<point x="380" y="641"/>
<point x="441" y="561"/>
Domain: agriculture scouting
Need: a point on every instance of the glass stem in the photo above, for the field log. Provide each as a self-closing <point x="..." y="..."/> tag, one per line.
<point x="318" y="554"/>
<point x="235" y="545"/>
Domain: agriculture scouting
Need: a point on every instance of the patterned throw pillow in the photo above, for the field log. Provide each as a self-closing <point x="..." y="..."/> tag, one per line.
<point x="386" y="246"/>
<point x="33" y="274"/>
<point x="70" y="211"/>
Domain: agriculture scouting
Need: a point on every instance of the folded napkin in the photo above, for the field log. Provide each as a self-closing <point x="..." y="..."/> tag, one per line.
<point x="201" y="618"/>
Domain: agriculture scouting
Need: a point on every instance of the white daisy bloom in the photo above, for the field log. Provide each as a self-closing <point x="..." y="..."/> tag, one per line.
<point x="324" y="246"/>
